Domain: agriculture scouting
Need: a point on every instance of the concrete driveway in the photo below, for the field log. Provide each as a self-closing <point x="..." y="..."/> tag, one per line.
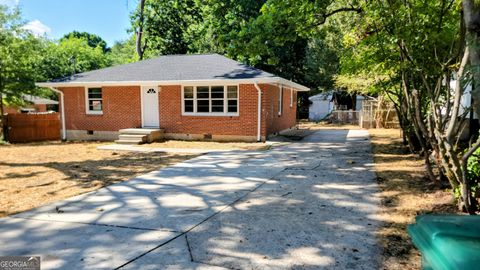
<point x="305" y="205"/>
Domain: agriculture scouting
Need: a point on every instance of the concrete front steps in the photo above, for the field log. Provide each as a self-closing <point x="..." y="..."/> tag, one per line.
<point x="139" y="135"/>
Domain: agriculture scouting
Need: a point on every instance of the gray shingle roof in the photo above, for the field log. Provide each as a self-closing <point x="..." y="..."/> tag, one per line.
<point x="173" y="68"/>
<point x="39" y="100"/>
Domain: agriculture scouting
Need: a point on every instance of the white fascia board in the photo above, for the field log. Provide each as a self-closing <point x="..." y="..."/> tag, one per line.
<point x="143" y="83"/>
<point x="296" y="86"/>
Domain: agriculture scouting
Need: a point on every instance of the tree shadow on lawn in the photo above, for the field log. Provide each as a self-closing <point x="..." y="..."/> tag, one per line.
<point x="84" y="176"/>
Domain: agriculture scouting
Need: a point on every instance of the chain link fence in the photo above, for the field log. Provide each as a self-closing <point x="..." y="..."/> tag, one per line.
<point x="374" y="114"/>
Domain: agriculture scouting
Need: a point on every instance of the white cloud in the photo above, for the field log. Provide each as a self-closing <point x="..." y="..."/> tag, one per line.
<point x="9" y="3"/>
<point x="37" y="28"/>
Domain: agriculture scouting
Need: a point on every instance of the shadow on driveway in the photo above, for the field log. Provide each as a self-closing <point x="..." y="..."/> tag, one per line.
<point x="303" y="205"/>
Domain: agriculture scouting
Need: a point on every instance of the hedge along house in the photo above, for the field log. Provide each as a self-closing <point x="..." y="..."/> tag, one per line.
<point x="204" y="96"/>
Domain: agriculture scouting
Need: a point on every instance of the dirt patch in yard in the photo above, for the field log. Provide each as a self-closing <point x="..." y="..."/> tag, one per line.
<point x="406" y="192"/>
<point x="32" y="175"/>
<point x="208" y="145"/>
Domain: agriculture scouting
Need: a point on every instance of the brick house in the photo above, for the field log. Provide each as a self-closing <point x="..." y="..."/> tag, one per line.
<point x="203" y="96"/>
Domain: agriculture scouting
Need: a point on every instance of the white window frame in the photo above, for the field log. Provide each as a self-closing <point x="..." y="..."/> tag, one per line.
<point x="192" y="99"/>
<point x="227" y="99"/>
<point x="210" y="113"/>
<point x="87" y="105"/>
<point x="280" y="100"/>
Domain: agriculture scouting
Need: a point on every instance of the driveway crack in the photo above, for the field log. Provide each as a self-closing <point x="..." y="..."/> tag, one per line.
<point x="189" y="249"/>
<point x="97" y="224"/>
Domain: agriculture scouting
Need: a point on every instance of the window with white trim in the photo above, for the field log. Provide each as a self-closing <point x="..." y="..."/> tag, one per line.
<point x="94" y="100"/>
<point x="210" y="100"/>
<point x="280" y="100"/>
<point x="232" y="99"/>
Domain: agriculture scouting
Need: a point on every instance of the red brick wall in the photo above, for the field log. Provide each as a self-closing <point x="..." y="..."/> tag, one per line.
<point x="121" y="109"/>
<point x="40" y="107"/>
<point x="274" y="122"/>
<point x="171" y="119"/>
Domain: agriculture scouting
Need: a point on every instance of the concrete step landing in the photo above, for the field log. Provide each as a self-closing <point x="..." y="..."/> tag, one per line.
<point x="139" y="135"/>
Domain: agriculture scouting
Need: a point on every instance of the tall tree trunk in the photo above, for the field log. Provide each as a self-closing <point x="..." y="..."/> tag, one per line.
<point x="141" y="46"/>
<point x="455" y="166"/>
<point x="471" y="15"/>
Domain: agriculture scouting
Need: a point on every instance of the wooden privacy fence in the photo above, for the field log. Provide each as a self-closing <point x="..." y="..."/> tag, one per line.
<point x="33" y="127"/>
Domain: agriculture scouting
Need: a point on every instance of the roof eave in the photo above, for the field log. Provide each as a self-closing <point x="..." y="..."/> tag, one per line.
<point x="296" y="86"/>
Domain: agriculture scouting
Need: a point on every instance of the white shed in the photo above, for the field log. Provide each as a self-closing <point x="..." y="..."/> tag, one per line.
<point x="322" y="106"/>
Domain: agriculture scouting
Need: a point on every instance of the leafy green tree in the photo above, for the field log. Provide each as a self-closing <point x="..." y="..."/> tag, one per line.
<point x="123" y="52"/>
<point x="322" y="64"/>
<point x="161" y="26"/>
<point x="70" y="56"/>
<point x="268" y="34"/>
<point x="412" y="50"/>
<point x="18" y="57"/>
<point x="407" y="51"/>
<point x="219" y="23"/>
<point x="92" y="39"/>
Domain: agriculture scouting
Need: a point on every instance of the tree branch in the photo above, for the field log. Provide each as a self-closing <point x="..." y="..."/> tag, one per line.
<point x="458" y="96"/>
<point x="140" y="48"/>
<point x="323" y="17"/>
<point x="471" y="151"/>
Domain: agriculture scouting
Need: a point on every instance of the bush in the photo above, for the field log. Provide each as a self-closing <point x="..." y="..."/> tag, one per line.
<point x="473" y="173"/>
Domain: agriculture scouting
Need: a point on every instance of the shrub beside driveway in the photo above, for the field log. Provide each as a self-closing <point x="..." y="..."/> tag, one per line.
<point x="32" y="175"/>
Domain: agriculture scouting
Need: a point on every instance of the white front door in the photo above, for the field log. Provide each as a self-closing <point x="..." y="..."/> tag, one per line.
<point x="150" y="114"/>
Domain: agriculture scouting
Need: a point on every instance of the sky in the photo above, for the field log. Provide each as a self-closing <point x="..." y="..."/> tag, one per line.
<point x="107" y="18"/>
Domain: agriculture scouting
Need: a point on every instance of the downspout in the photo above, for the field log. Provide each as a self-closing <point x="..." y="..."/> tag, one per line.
<point x="62" y="112"/>
<point x="259" y="113"/>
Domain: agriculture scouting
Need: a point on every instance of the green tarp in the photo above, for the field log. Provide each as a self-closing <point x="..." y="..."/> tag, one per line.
<point x="447" y="242"/>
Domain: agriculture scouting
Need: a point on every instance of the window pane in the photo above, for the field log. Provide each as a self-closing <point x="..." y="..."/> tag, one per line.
<point x="94" y="92"/>
<point x="95" y="105"/>
<point x="217" y="91"/>
<point x="98" y="96"/>
<point x="188" y="92"/>
<point x="232" y="92"/>
<point x="203" y="106"/>
<point x="232" y="106"/>
<point x="217" y="109"/>
<point x="217" y="102"/>
<point x="202" y="92"/>
<point x="188" y="105"/>
<point x="217" y="105"/>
